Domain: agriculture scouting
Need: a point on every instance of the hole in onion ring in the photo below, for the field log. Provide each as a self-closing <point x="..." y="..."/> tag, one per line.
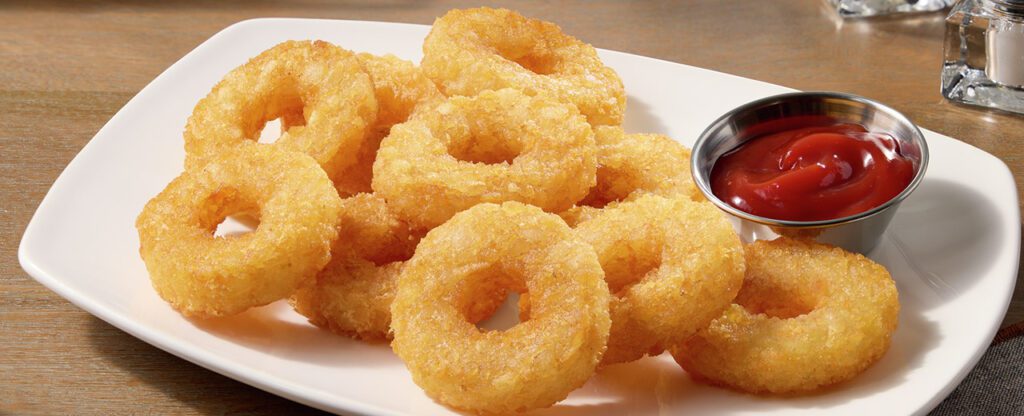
<point x="507" y="315"/>
<point x="775" y="301"/>
<point x="531" y="60"/>
<point x="599" y="198"/>
<point x="537" y="65"/>
<point x="275" y="128"/>
<point x="627" y="272"/>
<point x="490" y="297"/>
<point x="619" y="287"/>
<point x="271" y="132"/>
<point x="600" y="201"/>
<point x="400" y="251"/>
<point x="487" y="148"/>
<point x="236" y="226"/>
<point x="228" y="215"/>
<point x="282" y="119"/>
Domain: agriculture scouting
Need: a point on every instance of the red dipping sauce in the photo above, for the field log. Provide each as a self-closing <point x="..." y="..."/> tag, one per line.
<point x="812" y="173"/>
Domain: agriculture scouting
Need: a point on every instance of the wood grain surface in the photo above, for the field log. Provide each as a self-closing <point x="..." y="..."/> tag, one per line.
<point x="67" y="66"/>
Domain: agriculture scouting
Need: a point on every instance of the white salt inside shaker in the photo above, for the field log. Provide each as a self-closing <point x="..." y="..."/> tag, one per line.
<point x="1004" y="51"/>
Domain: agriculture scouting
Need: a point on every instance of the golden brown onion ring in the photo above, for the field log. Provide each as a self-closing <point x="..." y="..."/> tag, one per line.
<point x="533" y="364"/>
<point x="323" y="81"/>
<point x="202" y="275"/>
<point x="672" y="264"/>
<point x="808" y="315"/>
<point x="472" y="50"/>
<point x="630" y="165"/>
<point x="495" y="147"/>
<point x="352" y="295"/>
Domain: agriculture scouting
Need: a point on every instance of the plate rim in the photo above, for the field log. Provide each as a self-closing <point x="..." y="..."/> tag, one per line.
<point x="292" y="391"/>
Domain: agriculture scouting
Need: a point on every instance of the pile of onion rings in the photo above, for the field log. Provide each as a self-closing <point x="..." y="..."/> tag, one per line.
<point x="404" y="204"/>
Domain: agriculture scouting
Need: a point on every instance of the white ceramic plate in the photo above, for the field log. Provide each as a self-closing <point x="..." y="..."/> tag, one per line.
<point x="952" y="248"/>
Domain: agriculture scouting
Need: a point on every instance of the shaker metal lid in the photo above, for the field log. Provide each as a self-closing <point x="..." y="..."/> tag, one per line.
<point x="1015" y="7"/>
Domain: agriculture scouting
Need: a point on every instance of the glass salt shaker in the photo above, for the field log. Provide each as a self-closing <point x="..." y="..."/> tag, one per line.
<point x="984" y="54"/>
<point x="865" y="8"/>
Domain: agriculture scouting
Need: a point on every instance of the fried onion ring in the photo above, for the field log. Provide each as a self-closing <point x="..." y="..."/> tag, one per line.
<point x="495" y="147"/>
<point x="323" y="81"/>
<point x="672" y="264"/>
<point x="808" y="315"/>
<point x="629" y="165"/>
<point x="533" y="364"/>
<point x="201" y="275"/>
<point x="473" y="50"/>
<point x="352" y="295"/>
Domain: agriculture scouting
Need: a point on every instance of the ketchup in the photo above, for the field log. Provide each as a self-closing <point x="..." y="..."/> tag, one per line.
<point x="812" y="173"/>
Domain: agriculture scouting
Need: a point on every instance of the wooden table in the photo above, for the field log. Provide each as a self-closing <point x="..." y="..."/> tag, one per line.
<point x="67" y="67"/>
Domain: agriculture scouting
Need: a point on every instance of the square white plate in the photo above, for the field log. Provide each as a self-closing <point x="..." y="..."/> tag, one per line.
<point x="952" y="248"/>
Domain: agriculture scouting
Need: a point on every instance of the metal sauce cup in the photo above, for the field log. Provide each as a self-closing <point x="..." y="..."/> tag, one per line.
<point x="859" y="233"/>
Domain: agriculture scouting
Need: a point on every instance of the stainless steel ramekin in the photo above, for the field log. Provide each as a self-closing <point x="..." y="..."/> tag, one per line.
<point x="860" y="232"/>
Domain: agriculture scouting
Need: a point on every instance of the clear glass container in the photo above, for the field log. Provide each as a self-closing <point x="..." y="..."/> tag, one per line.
<point x="865" y="8"/>
<point x="984" y="54"/>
